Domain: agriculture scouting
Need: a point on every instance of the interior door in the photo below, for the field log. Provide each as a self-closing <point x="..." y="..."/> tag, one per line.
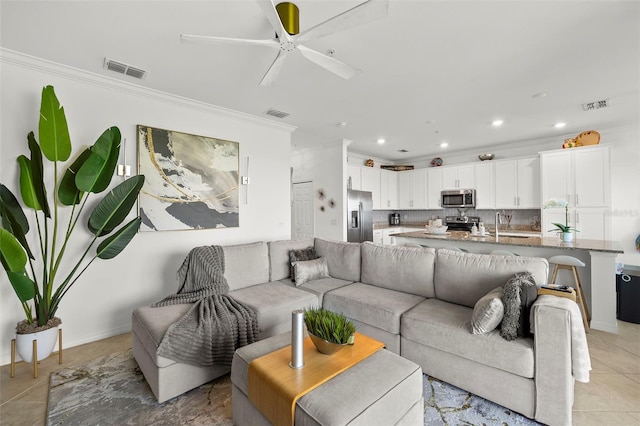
<point x="302" y="211"/>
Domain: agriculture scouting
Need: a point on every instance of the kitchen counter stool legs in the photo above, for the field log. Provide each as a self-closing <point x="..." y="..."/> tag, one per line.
<point x="571" y="263"/>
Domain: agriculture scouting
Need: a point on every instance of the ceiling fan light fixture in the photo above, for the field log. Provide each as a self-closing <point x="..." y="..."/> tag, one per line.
<point x="289" y="16"/>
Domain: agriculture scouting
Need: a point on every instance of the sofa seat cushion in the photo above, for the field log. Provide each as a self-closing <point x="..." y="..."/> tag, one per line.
<point x="150" y="325"/>
<point x="273" y="303"/>
<point x="447" y="327"/>
<point x="406" y="269"/>
<point x="376" y="306"/>
<point x="320" y="286"/>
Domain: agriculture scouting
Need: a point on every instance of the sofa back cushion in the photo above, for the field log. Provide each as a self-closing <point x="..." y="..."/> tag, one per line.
<point x="405" y="269"/>
<point x="343" y="258"/>
<point x="246" y="264"/>
<point x="279" y="256"/>
<point x="463" y="278"/>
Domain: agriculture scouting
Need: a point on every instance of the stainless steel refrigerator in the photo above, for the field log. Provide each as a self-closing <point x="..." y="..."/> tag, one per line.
<point x="359" y="216"/>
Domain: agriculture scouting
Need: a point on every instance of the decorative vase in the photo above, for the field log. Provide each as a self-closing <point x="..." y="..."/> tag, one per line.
<point x="46" y="342"/>
<point x="567" y="237"/>
<point x="326" y="347"/>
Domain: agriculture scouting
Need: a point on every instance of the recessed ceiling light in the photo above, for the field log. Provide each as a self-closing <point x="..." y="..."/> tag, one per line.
<point x="539" y="95"/>
<point x="444" y="144"/>
<point x="559" y="125"/>
<point x="381" y="141"/>
<point x="497" y="123"/>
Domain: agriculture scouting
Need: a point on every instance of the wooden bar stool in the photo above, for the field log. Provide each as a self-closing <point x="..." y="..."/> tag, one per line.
<point x="571" y="263"/>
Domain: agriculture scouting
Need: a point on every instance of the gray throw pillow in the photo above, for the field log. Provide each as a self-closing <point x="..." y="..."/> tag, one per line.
<point x="488" y="312"/>
<point x="308" y="253"/>
<point x="309" y="270"/>
<point x="519" y="294"/>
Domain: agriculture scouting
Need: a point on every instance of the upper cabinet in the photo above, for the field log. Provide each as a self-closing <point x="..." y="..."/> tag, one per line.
<point x="434" y="187"/>
<point x="485" y="185"/>
<point x="370" y="181"/>
<point x="388" y="190"/>
<point x="412" y="189"/>
<point x="458" y="177"/>
<point x="579" y="175"/>
<point x="354" y="176"/>
<point x="517" y="184"/>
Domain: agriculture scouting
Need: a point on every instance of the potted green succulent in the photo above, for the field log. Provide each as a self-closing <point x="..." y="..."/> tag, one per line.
<point x="42" y="285"/>
<point x="329" y="331"/>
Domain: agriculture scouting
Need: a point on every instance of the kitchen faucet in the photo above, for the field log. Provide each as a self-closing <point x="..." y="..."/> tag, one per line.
<point x="498" y="221"/>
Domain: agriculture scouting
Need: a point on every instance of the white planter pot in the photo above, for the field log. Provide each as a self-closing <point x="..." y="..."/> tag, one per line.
<point x="46" y="342"/>
<point x="567" y="237"/>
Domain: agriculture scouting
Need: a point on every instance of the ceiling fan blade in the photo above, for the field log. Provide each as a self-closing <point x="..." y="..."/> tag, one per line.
<point x="199" y="39"/>
<point x="358" y="15"/>
<point x="340" y="68"/>
<point x="270" y="12"/>
<point x="274" y="69"/>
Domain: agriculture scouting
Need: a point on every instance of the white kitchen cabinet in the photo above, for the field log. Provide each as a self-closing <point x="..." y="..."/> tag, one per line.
<point x="485" y="186"/>
<point x="458" y="177"/>
<point x="370" y="181"/>
<point x="592" y="222"/>
<point x="377" y="236"/>
<point x="582" y="176"/>
<point x="517" y="183"/>
<point x="354" y="176"/>
<point x="388" y="190"/>
<point x="434" y="187"/>
<point x="412" y="191"/>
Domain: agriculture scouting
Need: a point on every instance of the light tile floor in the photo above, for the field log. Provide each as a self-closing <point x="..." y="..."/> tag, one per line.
<point x="612" y="397"/>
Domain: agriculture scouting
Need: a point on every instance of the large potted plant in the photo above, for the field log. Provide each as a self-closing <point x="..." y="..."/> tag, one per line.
<point x="54" y="213"/>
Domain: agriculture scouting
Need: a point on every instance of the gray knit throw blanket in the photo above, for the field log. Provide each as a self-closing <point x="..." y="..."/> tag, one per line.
<point x="216" y="325"/>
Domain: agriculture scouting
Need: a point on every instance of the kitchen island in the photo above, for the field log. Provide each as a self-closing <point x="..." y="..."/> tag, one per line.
<point x="597" y="277"/>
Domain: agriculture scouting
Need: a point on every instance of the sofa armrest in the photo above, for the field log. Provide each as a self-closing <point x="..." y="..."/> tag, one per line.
<point x="553" y="363"/>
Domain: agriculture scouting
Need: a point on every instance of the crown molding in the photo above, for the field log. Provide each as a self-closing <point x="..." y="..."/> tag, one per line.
<point x="22" y="60"/>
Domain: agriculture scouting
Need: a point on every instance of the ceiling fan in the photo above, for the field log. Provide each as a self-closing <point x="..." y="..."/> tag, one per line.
<point x="284" y="19"/>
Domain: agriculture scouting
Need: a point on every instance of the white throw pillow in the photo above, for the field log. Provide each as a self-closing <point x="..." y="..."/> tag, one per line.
<point x="488" y="312"/>
<point x="309" y="270"/>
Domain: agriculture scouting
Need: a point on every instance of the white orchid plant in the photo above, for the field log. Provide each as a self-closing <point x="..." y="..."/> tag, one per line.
<point x="564" y="228"/>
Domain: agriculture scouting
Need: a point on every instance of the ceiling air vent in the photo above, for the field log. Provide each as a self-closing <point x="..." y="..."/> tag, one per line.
<point x="275" y="113"/>
<point x="125" y="69"/>
<point x="589" y="106"/>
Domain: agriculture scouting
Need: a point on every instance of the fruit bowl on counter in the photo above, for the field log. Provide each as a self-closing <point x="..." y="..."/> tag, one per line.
<point x="437" y="230"/>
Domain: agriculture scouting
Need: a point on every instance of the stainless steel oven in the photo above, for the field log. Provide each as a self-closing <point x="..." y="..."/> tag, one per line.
<point x="459" y="198"/>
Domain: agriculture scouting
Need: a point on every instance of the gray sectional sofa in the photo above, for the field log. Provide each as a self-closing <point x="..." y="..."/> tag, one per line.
<point x="418" y="301"/>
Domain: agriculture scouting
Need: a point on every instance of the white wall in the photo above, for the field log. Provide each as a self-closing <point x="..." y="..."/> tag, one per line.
<point x="100" y="305"/>
<point x="326" y="167"/>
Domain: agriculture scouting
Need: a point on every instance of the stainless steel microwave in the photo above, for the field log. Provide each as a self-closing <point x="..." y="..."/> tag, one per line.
<point x="459" y="198"/>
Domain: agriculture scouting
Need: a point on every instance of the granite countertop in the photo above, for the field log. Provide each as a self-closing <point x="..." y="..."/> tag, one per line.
<point x="543" y="242"/>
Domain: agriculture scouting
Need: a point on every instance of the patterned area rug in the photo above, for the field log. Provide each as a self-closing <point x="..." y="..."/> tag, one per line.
<point x="112" y="391"/>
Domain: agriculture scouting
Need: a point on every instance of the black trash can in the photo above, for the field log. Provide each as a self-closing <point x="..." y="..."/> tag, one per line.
<point x="628" y="292"/>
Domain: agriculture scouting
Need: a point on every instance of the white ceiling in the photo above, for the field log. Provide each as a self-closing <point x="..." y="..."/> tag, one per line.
<point x="433" y="71"/>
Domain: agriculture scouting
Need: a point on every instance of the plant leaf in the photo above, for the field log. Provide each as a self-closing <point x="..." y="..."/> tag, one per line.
<point x="53" y="129"/>
<point x="14" y="258"/>
<point x="27" y="190"/>
<point x="115" y="206"/>
<point x="68" y="192"/>
<point x="23" y="286"/>
<point x="112" y="246"/>
<point x="37" y="173"/>
<point x="96" y="172"/>
<point x="13" y="218"/>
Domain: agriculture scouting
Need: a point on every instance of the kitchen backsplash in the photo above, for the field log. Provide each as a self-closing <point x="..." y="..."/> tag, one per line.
<point x="525" y="217"/>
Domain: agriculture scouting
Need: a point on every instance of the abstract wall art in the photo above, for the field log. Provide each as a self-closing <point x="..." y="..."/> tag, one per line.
<point x="191" y="181"/>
